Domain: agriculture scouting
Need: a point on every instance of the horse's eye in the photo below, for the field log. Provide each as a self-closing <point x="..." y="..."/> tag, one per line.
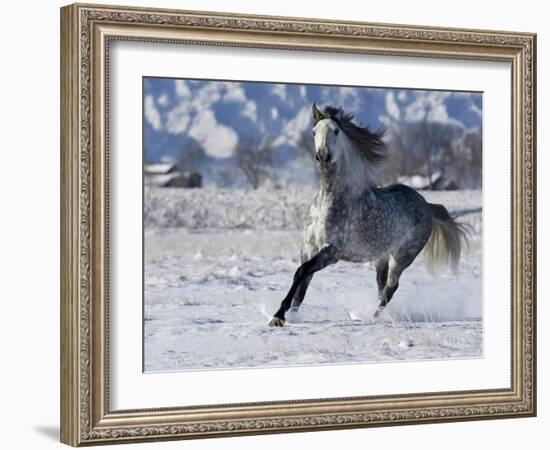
<point x="313" y="132"/>
<point x="336" y="131"/>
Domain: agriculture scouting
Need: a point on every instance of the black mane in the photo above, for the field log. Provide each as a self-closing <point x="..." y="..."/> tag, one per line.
<point x="368" y="143"/>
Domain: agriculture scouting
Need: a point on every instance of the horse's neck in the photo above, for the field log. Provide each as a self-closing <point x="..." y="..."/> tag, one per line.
<point x="357" y="175"/>
<point x="328" y="182"/>
<point x="334" y="185"/>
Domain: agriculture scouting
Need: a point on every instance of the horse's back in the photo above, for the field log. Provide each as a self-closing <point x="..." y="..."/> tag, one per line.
<point x="400" y="192"/>
<point x="403" y="201"/>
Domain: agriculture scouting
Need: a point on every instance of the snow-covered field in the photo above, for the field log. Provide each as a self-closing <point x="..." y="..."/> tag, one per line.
<point x="219" y="262"/>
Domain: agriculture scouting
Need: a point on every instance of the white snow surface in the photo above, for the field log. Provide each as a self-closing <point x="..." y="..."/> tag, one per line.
<point x="219" y="262"/>
<point x="264" y="208"/>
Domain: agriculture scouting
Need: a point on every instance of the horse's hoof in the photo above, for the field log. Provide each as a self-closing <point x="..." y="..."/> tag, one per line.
<point x="276" y="322"/>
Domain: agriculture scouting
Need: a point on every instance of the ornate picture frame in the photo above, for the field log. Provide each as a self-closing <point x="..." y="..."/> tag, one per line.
<point x="87" y="31"/>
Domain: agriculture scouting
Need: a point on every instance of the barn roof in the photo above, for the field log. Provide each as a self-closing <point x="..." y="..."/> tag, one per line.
<point x="160" y="168"/>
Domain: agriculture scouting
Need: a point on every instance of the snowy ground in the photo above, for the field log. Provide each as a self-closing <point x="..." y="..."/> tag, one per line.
<point x="218" y="263"/>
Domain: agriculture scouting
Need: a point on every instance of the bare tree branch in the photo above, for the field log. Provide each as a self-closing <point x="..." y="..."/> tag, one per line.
<point x="255" y="160"/>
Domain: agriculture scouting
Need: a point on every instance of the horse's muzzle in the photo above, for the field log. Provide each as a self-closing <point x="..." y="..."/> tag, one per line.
<point x="323" y="156"/>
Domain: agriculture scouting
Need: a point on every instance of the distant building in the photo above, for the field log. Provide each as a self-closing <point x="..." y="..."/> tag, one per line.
<point x="160" y="168"/>
<point x="169" y="175"/>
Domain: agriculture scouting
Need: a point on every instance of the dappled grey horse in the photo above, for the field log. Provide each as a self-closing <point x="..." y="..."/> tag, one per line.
<point x="351" y="219"/>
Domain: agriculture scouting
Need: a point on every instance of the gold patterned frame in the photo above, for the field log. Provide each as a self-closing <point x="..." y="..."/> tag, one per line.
<point x="86" y="32"/>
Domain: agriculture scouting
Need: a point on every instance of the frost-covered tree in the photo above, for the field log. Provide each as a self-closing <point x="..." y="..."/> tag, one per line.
<point x="254" y="158"/>
<point x="428" y="147"/>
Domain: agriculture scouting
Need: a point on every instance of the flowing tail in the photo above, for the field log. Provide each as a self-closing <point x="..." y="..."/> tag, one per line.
<point x="445" y="242"/>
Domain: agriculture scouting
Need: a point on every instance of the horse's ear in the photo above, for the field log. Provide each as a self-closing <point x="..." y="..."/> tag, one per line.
<point x="316" y="114"/>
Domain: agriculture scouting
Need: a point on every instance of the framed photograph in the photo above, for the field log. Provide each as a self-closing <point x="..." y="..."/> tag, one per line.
<point x="278" y="224"/>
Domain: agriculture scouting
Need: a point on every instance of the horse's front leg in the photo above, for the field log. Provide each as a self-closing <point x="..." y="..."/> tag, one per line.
<point x="321" y="260"/>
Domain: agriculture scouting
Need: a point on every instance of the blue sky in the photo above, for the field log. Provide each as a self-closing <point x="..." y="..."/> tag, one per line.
<point x="218" y="114"/>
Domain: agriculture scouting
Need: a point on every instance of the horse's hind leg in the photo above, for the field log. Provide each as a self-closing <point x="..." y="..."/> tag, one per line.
<point x="381" y="274"/>
<point x="393" y="271"/>
<point x="398" y="261"/>
<point x="396" y="264"/>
